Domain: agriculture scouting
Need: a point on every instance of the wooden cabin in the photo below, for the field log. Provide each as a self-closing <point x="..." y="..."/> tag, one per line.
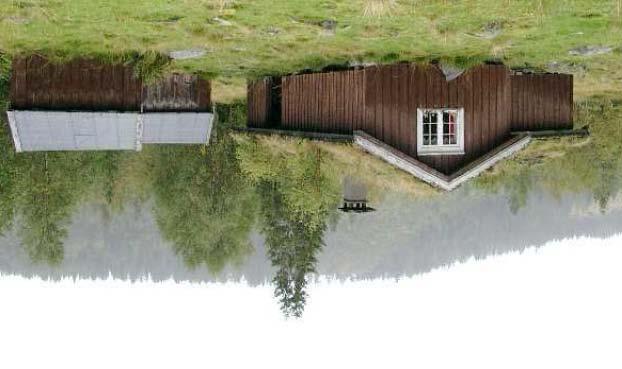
<point x="439" y="127"/>
<point x="88" y="105"/>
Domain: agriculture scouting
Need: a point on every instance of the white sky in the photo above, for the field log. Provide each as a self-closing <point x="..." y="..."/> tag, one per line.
<point x="558" y="306"/>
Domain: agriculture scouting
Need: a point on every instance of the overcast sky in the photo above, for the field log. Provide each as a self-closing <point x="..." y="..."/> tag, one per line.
<point x="554" y="306"/>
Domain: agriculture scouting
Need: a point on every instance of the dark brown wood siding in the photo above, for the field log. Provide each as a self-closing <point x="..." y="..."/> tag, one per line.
<point x="178" y="92"/>
<point x="77" y="85"/>
<point x="84" y="84"/>
<point x="395" y="93"/>
<point x="541" y="102"/>
<point x="263" y="102"/>
<point x="324" y="102"/>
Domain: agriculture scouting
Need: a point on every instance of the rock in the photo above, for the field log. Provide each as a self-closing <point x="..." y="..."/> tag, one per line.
<point x="490" y="30"/>
<point x="187" y="54"/>
<point x="17" y="20"/>
<point x="329" y="24"/>
<point x="576" y="69"/>
<point x="360" y="64"/>
<point x="451" y="72"/>
<point x="222" y="22"/>
<point x="329" y="27"/>
<point x="590" y="50"/>
<point x="273" y="31"/>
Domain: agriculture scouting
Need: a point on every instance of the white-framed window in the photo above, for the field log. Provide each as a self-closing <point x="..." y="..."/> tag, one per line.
<point x="440" y="131"/>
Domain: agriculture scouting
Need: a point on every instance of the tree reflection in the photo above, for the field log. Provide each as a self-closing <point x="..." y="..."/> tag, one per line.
<point x="7" y="180"/>
<point x="291" y="246"/>
<point x="295" y="210"/>
<point x="570" y="164"/>
<point x="203" y="203"/>
<point x="44" y="190"/>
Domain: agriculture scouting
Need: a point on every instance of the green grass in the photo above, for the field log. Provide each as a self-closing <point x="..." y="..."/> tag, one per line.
<point x="274" y="37"/>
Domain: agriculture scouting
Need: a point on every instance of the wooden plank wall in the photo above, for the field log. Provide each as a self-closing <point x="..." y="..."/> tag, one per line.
<point x="79" y="84"/>
<point x="542" y="102"/>
<point x="261" y="112"/>
<point x="331" y="102"/>
<point x="383" y="101"/>
<point x="178" y="92"/>
<point x="395" y="92"/>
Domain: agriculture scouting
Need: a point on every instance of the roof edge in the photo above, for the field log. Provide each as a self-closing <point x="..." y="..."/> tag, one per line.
<point x="14" y="133"/>
<point x="432" y="176"/>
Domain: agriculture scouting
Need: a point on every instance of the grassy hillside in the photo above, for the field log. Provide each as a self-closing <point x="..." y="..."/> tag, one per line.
<point x="247" y="38"/>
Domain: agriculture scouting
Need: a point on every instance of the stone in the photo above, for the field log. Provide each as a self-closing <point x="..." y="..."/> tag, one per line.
<point x="187" y="54"/>
<point x="451" y="72"/>
<point x="577" y="69"/>
<point x="329" y="27"/>
<point x="590" y="50"/>
<point x="361" y="64"/>
<point x="272" y="31"/>
<point x="17" y="20"/>
<point x="490" y="30"/>
<point x="222" y="22"/>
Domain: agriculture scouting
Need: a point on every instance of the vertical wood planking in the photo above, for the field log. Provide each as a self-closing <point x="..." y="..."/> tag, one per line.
<point x="370" y="100"/>
<point x="393" y="103"/>
<point x="477" y="108"/>
<point x="493" y="118"/>
<point x="403" y="107"/>
<point x="541" y="101"/>
<point x="81" y="84"/>
<point x="414" y="91"/>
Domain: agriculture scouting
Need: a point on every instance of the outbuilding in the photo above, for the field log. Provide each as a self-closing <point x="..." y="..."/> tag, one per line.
<point x="88" y="105"/>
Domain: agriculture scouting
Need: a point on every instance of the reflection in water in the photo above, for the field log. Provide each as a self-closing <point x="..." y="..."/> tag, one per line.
<point x="203" y="204"/>
<point x="354" y="196"/>
<point x="569" y="165"/>
<point x="245" y="209"/>
<point x="291" y="245"/>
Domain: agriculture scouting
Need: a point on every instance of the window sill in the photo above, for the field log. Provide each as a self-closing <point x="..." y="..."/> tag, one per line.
<point x="437" y="152"/>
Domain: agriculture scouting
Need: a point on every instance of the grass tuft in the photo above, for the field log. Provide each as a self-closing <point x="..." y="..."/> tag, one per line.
<point x="149" y="66"/>
<point x="5" y="76"/>
<point x="378" y="8"/>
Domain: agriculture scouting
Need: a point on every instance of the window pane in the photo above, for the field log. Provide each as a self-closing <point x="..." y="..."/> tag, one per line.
<point x="449" y="128"/>
<point x="426" y="129"/>
<point x="449" y="116"/>
<point x="426" y="117"/>
<point x="434" y="130"/>
<point x="426" y="140"/>
<point x="433" y="117"/>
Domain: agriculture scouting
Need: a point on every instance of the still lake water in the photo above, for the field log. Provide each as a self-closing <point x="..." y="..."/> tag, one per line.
<point x="404" y="237"/>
